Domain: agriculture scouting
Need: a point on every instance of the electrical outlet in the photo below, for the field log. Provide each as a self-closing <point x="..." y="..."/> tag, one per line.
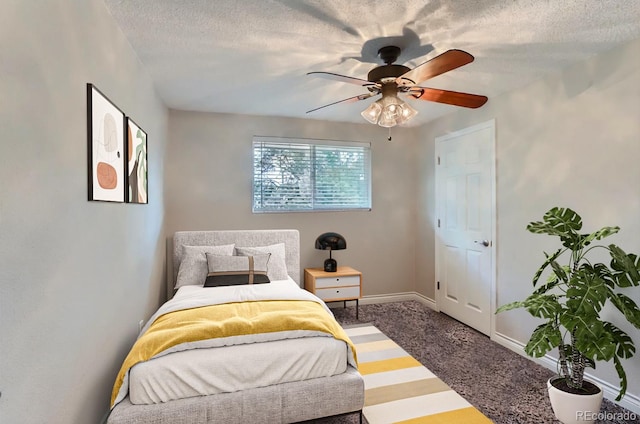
<point x="140" y="325"/>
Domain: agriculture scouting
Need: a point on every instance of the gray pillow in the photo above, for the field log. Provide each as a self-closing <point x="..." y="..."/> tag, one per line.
<point x="236" y="270"/>
<point x="193" y="268"/>
<point x="277" y="269"/>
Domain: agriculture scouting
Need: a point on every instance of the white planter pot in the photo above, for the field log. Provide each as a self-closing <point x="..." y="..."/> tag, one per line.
<point x="574" y="409"/>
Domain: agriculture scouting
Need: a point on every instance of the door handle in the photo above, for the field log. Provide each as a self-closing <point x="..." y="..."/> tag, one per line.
<point x="485" y="243"/>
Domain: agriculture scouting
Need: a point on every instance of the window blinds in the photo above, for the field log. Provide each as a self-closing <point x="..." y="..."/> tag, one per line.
<point x="307" y="175"/>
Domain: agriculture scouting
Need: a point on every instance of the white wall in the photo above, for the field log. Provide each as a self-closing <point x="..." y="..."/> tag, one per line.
<point x="75" y="276"/>
<point x="573" y="140"/>
<point x="208" y="186"/>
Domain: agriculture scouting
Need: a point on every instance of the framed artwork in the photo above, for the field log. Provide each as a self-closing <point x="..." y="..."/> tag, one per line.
<point x="105" y="129"/>
<point x="136" y="164"/>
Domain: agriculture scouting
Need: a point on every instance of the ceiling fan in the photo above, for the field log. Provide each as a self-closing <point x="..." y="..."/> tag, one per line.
<point x="391" y="79"/>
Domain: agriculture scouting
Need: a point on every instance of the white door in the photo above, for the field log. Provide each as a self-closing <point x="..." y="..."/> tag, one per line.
<point x="465" y="212"/>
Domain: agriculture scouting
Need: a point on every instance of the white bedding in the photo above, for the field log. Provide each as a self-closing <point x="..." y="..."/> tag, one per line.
<point x="235" y="363"/>
<point x="232" y="368"/>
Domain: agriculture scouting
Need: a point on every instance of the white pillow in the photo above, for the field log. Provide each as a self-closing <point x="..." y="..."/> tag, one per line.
<point x="193" y="268"/>
<point x="277" y="268"/>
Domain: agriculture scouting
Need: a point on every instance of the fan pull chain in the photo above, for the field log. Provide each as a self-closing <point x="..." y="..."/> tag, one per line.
<point x="389" y="138"/>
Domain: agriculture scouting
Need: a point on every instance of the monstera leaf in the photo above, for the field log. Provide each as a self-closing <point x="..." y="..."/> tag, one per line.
<point x="544" y="338"/>
<point x="561" y="222"/>
<point x="626" y="267"/>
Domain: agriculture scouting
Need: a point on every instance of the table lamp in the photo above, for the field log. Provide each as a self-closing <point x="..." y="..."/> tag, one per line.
<point x="330" y="241"/>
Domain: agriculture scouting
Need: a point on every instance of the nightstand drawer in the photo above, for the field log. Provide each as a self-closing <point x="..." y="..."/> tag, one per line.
<point x="352" y="292"/>
<point x="351" y="280"/>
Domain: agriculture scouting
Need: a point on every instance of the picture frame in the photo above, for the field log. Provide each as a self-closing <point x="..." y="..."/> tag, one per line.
<point x="137" y="165"/>
<point x="105" y="140"/>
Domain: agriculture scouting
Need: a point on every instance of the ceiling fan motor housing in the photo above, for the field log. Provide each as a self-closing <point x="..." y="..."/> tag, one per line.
<point x="386" y="71"/>
<point x="388" y="54"/>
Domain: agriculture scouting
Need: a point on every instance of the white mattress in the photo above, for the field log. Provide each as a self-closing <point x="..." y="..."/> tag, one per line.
<point x="213" y="370"/>
<point x="233" y="368"/>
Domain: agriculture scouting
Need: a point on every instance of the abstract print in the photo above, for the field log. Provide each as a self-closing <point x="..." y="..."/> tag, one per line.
<point x="137" y="163"/>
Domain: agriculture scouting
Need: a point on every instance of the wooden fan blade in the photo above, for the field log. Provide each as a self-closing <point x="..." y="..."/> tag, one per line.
<point x="447" y="61"/>
<point x="454" y="98"/>
<point x="349" y="100"/>
<point x="341" y="78"/>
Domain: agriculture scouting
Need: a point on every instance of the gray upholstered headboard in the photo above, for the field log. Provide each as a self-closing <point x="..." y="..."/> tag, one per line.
<point x="241" y="238"/>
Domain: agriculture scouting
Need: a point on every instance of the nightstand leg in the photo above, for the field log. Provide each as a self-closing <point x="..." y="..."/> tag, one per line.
<point x="357" y="308"/>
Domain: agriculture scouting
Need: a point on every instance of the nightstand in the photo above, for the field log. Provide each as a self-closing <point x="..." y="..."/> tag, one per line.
<point x="340" y="286"/>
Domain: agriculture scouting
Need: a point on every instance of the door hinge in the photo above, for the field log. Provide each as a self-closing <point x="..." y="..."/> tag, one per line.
<point x="438" y="222"/>
<point x="438" y="285"/>
<point x="438" y="160"/>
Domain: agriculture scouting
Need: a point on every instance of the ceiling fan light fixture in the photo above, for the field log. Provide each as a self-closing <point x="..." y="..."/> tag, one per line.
<point x="389" y="111"/>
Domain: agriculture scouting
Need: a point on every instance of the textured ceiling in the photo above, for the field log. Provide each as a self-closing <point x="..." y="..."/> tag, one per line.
<point x="252" y="56"/>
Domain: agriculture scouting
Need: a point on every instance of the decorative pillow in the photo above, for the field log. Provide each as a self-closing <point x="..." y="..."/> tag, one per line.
<point x="236" y="270"/>
<point x="277" y="264"/>
<point x="193" y="268"/>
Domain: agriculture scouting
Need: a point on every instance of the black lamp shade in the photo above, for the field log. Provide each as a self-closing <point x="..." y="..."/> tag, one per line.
<point x="331" y="241"/>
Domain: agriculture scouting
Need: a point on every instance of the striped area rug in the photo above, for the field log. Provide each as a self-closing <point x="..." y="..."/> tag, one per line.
<point x="399" y="389"/>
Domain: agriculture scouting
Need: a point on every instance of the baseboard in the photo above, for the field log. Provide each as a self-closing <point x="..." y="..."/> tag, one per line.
<point x="630" y="400"/>
<point x="399" y="297"/>
<point x="389" y="298"/>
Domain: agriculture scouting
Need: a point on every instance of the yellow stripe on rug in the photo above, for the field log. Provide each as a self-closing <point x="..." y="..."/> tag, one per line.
<point x="400" y="390"/>
<point x="387" y="365"/>
<point x="458" y="416"/>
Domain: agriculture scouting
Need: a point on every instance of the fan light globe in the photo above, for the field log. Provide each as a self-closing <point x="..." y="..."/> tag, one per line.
<point x="407" y="113"/>
<point x="372" y="113"/>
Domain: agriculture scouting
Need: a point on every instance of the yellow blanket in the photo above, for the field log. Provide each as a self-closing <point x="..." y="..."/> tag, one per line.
<point x="230" y="319"/>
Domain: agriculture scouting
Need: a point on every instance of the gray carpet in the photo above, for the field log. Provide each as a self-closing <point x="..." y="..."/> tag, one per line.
<point x="469" y="363"/>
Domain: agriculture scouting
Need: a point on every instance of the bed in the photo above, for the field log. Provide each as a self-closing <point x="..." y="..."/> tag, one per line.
<point x="292" y="372"/>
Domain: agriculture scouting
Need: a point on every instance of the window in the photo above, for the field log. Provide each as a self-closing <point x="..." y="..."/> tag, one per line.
<point x="309" y="175"/>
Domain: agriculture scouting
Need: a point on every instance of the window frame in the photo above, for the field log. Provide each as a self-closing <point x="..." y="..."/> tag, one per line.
<point x="259" y="141"/>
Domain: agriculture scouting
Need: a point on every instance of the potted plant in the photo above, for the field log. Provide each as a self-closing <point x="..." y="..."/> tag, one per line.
<point x="571" y="301"/>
